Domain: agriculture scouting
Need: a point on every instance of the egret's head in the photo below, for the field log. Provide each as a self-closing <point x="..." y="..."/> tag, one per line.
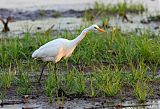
<point x="96" y="28"/>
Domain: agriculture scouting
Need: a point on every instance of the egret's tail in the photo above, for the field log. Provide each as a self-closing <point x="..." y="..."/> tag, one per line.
<point x="34" y="55"/>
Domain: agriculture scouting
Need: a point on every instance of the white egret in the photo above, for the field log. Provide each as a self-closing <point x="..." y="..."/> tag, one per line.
<point x="57" y="49"/>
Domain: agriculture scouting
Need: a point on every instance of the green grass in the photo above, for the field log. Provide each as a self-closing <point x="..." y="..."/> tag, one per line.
<point x="42" y="12"/>
<point x="109" y="81"/>
<point x="121" y="59"/>
<point x="50" y="86"/>
<point x="141" y="90"/>
<point x="56" y="14"/>
<point x="100" y="9"/>
<point x="23" y="82"/>
<point x="74" y="82"/>
<point x="155" y="18"/>
<point x="7" y="78"/>
<point x="111" y="48"/>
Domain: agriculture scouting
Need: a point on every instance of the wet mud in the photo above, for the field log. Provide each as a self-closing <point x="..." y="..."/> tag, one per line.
<point x="44" y="19"/>
<point x="38" y="14"/>
<point x="38" y="100"/>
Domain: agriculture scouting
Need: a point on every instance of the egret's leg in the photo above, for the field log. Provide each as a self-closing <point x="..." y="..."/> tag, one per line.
<point x="60" y="90"/>
<point x="42" y="71"/>
<point x="55" y="72"/>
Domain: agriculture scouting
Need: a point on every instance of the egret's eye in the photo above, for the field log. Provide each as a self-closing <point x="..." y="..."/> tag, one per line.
<point x="95" y="27"/>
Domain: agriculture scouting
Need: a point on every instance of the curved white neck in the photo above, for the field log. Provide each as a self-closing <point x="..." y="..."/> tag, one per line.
<point x="78" y="39"/>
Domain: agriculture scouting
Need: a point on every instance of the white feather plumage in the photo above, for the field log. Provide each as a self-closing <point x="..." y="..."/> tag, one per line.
<point x="59" y="48"/>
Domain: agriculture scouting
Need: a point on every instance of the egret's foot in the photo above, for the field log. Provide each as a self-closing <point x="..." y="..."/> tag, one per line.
<point x="39" y="81"/>
<point x="61" y="92"/>
<point x="39" y="84"/>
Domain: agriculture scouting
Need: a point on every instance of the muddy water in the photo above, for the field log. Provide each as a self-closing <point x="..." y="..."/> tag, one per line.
<point x="22" y="106"/>
<point x="85" y="104"/>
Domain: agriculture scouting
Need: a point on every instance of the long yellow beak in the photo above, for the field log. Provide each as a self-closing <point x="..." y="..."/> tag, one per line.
<point x="101" y="30"/>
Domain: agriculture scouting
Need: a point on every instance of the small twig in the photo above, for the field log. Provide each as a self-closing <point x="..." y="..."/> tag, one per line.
<point x="2" y="20"/>
<point x="126" y="18"/>
<point x="5" y="24"/>
<point x="29" y="107"/>
<point x="123" y="106"/>
<point x="12" y="102"/>
<point x="48" y="30"/>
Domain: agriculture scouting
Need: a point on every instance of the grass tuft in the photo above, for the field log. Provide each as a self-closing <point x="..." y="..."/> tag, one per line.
<point x="100" y="9"/>
<point x="109" y="81"/>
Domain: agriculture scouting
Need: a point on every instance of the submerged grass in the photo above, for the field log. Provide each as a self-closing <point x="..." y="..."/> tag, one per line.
<point x="126" y="59"/>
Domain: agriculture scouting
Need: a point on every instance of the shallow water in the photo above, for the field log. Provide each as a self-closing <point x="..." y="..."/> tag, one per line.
<point x="47" y="4"/>
<point x="153" y="5"/>
<point x="20" y="27"/>
<point x="86" y="104"/>
<point x="136" y="26"/>
<point x="71" y="23"/>
<point x="21" y="106"/>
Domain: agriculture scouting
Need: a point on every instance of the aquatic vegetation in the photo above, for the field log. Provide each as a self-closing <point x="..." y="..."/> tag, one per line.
<point x="139" y="79"/>
<point x="131" y="48"/>
<point x="14" y="49"/>
<point x="141" y="90"/>
<point x="154" y="68"/>
<point x="92" y="87"/>
<point x="2" y="95"/>
<point x="23" y="82"/>
<point x="100" y="9"/>
<point x="114" y="47"/>
<point x="105" y="23"/>
<point x="74" y="82"/>
<point x="109" y="81"/>
<point x="42" y="12"/>
<point x="155" y="18"/>
<point x="140" y="72"/>
<point x="80" y="84"/>
<point x="6" y="78"/>
<point x="56" y="14"/>
<point x="50" y="86"/>
<point x="68" y="81"/>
